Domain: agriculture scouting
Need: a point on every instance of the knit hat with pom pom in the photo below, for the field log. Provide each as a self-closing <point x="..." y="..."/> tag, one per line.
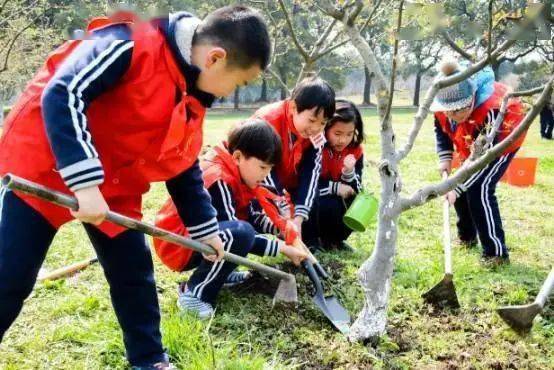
<point x="453" y="97"/>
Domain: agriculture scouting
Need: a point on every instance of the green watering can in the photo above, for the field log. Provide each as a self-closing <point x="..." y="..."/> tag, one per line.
<point x="361" y="212"/>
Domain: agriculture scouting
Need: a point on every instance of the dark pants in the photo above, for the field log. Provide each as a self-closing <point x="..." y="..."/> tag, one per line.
<point x="25" y="237"/>
<point x="208" y="277"/>
<point x="478" y="212"/>
<point x="547" y="122"/>
<point x="325" y="220"/>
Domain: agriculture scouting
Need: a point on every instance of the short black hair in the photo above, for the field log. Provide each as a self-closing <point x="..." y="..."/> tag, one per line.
<point x="241" y="31"/>
<point x="256" y="138"/>
<point x="346" y="111"/>
<point x="314" y="92"/>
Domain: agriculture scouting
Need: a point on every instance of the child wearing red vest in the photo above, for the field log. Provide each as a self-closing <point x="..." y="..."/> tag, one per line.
<point x="341" y="175"/>
<point x="300" y="121"/>
<point x="462" y="112"/>
<point x="102" y="119"/>
<point x="232" y="174"/>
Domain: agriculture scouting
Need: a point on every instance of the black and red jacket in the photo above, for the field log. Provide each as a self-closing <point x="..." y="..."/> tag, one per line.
<point x="331" y="172"/>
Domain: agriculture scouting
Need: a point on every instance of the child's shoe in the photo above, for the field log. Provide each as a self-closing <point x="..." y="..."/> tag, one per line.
<point x="236" y="278"/>
<point x="158" y="366"/>
<point x="188" y="302"/>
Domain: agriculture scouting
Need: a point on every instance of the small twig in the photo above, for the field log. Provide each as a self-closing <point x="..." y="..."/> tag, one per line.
<point x="394" y="64"/>
<point x="297" y="43"/>
<point x="455" y="46"/>
<point x="489" y="42"/>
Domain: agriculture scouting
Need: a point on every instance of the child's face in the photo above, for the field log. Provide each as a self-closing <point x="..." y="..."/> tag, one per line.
<point x="252" y="170"/>
<point x="307" y="122"/>
<point x="340" y="135"/>
<point x="460" y="115"/>
<point x="216" y="76"/>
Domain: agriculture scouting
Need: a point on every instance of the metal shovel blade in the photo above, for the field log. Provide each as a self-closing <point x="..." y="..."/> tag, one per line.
<point x="520" y="318"/>
<point x="330" y="306"/>
<point x="334" y="311"/>
<point x="443" y="294"/>
<point x="286" y="291"/>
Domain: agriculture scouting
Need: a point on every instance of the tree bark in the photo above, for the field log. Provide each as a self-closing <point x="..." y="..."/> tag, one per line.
<point x="367" y="87"/>
<point x="417" y="89"/>
<point x="237" y="98"/>
<point x="263" y="91"/>
<point x="283" y="75"/>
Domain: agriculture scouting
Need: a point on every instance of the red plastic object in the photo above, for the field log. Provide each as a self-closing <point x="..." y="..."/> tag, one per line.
<point x="522" y="171"/>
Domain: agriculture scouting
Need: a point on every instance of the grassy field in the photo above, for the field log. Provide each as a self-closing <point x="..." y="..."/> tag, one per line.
<point x="70" y="324"/>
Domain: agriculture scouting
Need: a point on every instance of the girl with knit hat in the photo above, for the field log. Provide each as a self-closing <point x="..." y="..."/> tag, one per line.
<point x="462" y="112"/>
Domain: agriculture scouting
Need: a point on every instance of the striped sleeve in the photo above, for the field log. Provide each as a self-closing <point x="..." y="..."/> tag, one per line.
<point x="223" y="201"/>
<point x="260" y="221"/>
<point x="265" y="246"/>
<point x="93" y="67"/>
<point x="310" y="170"/>
<point x="328" y="187"/>
<point x="444" y="145"/>
<point x="193" y="203"/>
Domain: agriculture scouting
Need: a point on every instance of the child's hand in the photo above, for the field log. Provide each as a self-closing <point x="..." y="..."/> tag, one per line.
<point x="445" y="166"/>
<point x="348" y="163"/>
<point x="296" y="255"/>
<point x="216" y="244"/>
<point x="92" y="206"/>
<point x="451" y="197"/>
<point x="298" y="221"/>
<point x="345" y="191"/>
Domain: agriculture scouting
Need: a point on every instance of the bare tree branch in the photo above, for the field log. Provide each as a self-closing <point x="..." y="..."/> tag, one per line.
<point x="278" y="79"/>
<point x="386" y="117"/>
<point x="455" y="46"/>
<point x="13" y="40"/>
<point x="469" y="167"/>
<point x="290" y="26"/>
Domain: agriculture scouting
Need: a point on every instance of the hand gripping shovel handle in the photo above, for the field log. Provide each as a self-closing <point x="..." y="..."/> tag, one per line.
<point x="25" y="186"/>
<point x="316" y="265"/>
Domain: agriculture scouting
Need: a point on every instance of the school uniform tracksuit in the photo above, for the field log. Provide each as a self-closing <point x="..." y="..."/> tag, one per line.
<point x="97" y="123"/>
<point x="476" y="205"/>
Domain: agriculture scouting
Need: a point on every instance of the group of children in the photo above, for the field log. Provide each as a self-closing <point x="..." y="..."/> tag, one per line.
<point x="107" y="115"/>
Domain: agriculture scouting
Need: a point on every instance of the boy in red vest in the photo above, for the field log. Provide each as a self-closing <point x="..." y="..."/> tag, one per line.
<point x="232" y="174"/>
<point x="462" y="112"/>
<point x="300" y="121"/>
<point x="102" y="119"/>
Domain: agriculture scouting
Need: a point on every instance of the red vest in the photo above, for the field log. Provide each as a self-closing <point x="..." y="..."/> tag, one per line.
<point x="463" y="136"/>
<point x="220" y="167"/>
<point x="279" y="116"/>
<point x="140" y="134"/>
<point x="332" y="162"/>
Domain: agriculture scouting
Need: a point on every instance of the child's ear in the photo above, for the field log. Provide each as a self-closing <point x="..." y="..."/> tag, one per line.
<point x="237" y="155"/>
<point x="214" y="55"/>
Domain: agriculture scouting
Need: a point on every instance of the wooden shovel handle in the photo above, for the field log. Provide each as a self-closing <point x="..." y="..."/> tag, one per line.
<point x="68" y="270"/>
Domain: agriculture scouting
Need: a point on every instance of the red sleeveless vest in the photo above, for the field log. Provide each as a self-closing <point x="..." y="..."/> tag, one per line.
<point x="462" y="138"/>
<point x="332" y="162"/>
<point x="140" y="134"/>
<point x="220" y="167"/>
<point x="280" y="117"/>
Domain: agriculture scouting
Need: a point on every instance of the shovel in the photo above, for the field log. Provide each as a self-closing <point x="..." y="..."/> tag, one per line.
<point x="520" y="318"/>
<point x="330" y="306"/>
<point x="66" y="271"/>
<point x="286" y="291"/>
<point x="444" y="293"/>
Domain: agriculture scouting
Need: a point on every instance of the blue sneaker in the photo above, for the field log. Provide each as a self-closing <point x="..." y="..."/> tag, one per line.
<point x="236" y="278"/>
<point x="189" y="303"/>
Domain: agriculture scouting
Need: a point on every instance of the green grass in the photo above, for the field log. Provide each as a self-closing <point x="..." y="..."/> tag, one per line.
<point x="70" y="324"/>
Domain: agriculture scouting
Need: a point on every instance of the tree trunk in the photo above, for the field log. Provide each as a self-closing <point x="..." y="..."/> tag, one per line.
<point x="263" y="92"/>
<point x="283" y="75"/>
<point x="376" y="273"/>
<point x="367" y="87"/>
<point x="237" y="98"/>
<point x="417" y="89"/>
